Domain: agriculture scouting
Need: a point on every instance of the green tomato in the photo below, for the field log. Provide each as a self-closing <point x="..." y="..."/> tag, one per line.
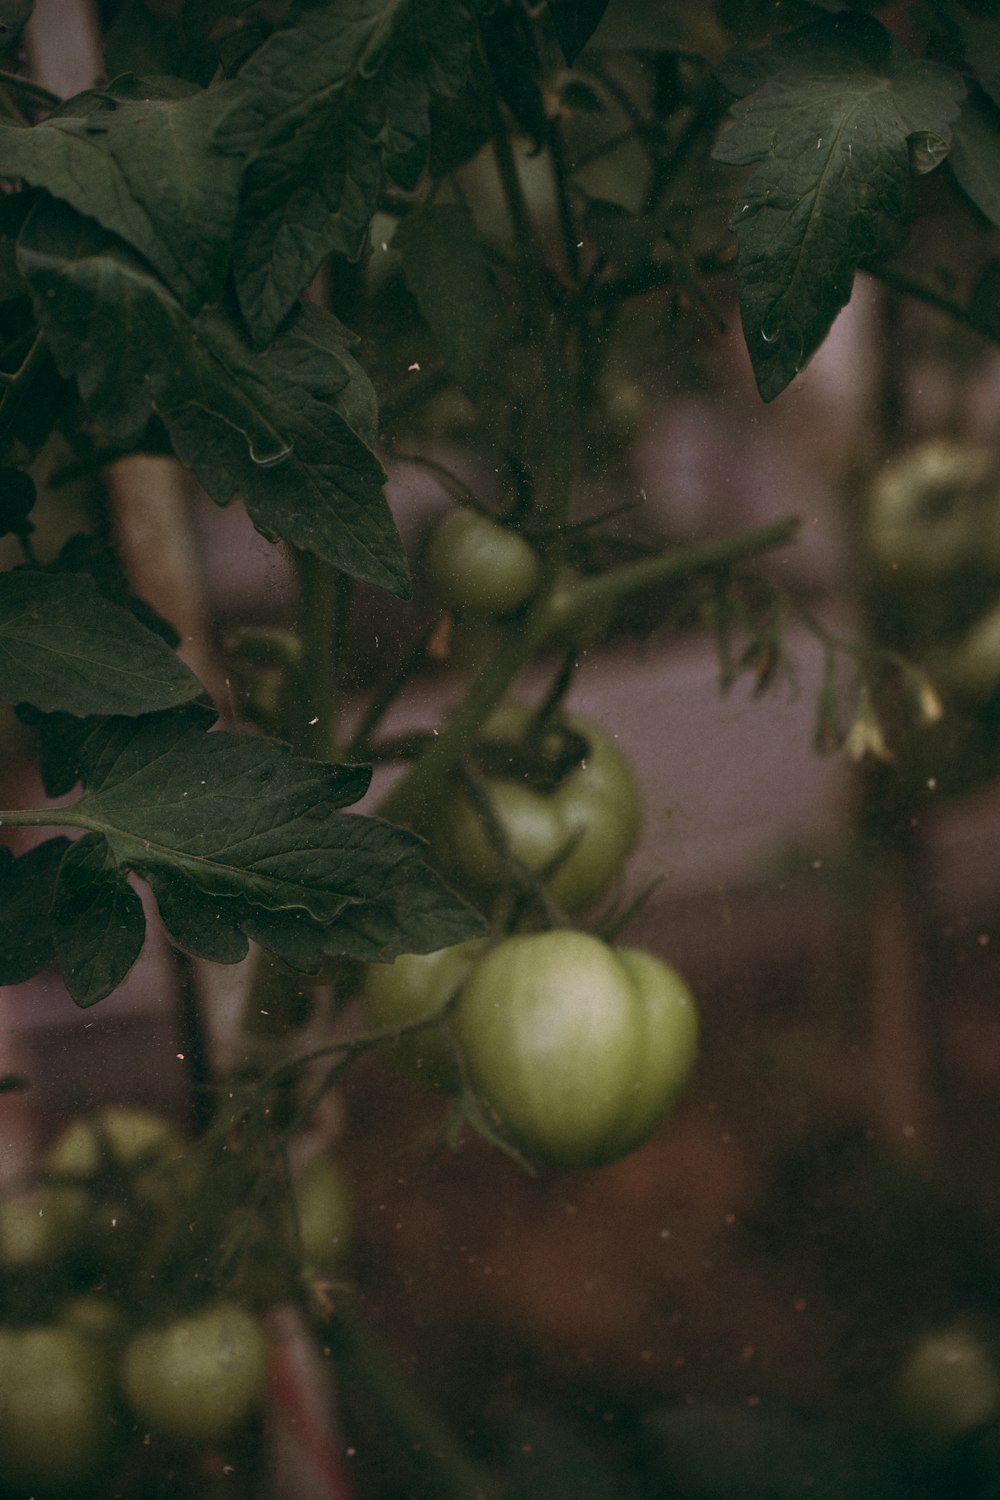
<point x="934" y="512"/>
<point x="199" y="1377"/>
<point x="970" y="670"/>
<point x="480" y="566"/>
<point x="948" y="1388"/>
<point x="36" y="1228"/>
<point x="581" y="826"/>
<point x="147" y="1147"/>
<point x="56" y="1409"/>
<point x="412" y="987"/>
<point x="578" y="1050"/>
<point x="325" y="1212"/>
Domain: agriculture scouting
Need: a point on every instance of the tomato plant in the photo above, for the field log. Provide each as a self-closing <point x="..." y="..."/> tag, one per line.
<point x="578" y="1050"/>
<point x="56" y="1409"/>
<point x="562" y="798"/>
<point x="480" y="565"/>
<point x="277" y="252"/>
<point x="199" y="1376"/>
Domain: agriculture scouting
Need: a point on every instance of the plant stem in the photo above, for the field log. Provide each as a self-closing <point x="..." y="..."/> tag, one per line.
<point x="415" y="796"/>
<point x="41" y="817"/>
<point x="950" y="306"/>
<point x="313" y="706"/>
<point x="630" y="578"/>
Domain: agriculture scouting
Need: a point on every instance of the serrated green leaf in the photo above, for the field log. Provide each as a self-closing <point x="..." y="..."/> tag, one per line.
<point x="27" y="887"/>
<point x="575" y="22"/>
<point x="238" y="839"/>
<point x="828" y="114"/>
<point x="97" y="918"/>
<point x="327" y="108"/>
<point x="138" y="159"/>
<point x="64" y="646"/>
<point x="446" y="271"/>
<point x="269" y="427"/>
<point x="975" y="154"/>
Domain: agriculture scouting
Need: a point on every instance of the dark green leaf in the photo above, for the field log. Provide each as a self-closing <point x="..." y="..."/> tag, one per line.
<point x="274" y="428"/>
<point x="828" y="114"/>
<point x="206" y="930"/>
<point x="27" y="887"/>
<point x="17" y="500"/>
<point x="59" y="737"/>
<point x="138" y="41"/>
<point x="327" y="108"/>
<point x="446" y="271"/>
<point x="84" y="553"/>
<point x="98" y="920"/>
<point x="13" y="15"/>
<point x="238" y="839"/>
<point x="981" y="39"/>
<point x="575" y="22"/>
<point x="975" y="154"/>
<point x="63" y="646"/>
<point x="407" y="918"/>
<point x="138" y="159"/>
<point x="509" y="42"/>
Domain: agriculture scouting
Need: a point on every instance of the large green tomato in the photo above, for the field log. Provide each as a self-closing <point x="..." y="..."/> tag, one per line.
<point x="578" y="1050"/>
<point x="56" y="1410"/>
<point x="948" y="1388"/>
<point x="199" y="1377"/>
<point x="589" y="811"/>
<point x="412" y="987"/>
<point x="480" y="566"/>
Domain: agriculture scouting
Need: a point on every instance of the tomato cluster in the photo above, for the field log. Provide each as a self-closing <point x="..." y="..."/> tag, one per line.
<point x="575" y="1051"/>
<point x="87" y="1360"/>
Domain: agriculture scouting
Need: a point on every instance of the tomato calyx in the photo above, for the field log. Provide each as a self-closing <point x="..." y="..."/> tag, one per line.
<point x="547" y="754"/>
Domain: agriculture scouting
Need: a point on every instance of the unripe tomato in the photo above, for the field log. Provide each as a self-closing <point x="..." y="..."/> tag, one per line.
<point x="56" y="1410"/>
<point x="948" y="1388"/>
<point x="480" y="566"/>
<point x="122" y="1166"/>
<point x="577" y="1049"/>
<point x="325" y="1213"/>
<point x="146" y="1146"/>
<point x="590" y="812"/>
<point x="35" y="1228"/>
<point x="413" y="986"/>
<point x="199" y="1377"/>
<point x="934" y="512"/>
<point x="970" y="670"/>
